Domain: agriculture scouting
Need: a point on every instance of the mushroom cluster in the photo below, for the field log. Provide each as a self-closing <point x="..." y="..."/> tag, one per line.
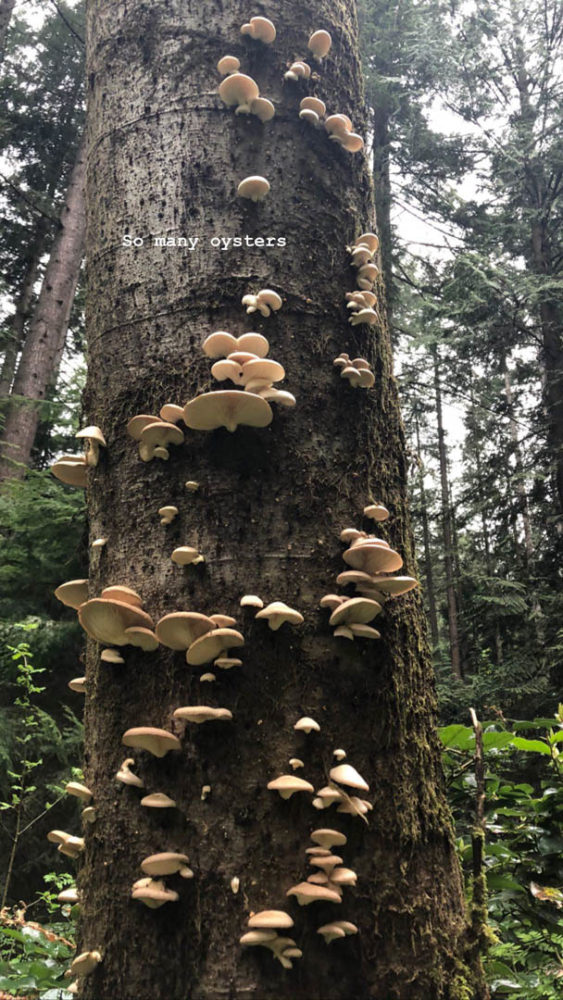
<point x="156" y="434"/>
<point x="203" y="638"/>
<point x="266" y="301"/>
<point x="340" y="130"/>
<point x="298" y="70"/>
<point x="67" y="844"/>
<point x="241" y="92"/>
<point x="325" y="884"/>
<point x="261" y="29"/>
<point x="117" y="618"/>
<point x="264" y="927"/>
<point x="362" y="301"/>
<point x="151" y="889"/>
<point x="242" y="361"/>
<point x="358" y="371"/>
<point x="312" y="110"/>
<point x="71" y="469"/>
<point x="344" y="780"/>
<point x="362" y="307"/>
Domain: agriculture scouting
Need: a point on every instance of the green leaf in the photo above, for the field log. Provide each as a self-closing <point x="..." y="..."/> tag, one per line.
<point x="530" y="746"/>
<point x="458" y="736"/>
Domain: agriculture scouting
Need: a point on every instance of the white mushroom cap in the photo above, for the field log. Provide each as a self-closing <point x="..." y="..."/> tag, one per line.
<point x="203" y="713"/>
<point x="186" y="555"/>
<point x="254" y="187"/>
<point x="126" y="776"/>
<point x="307" y="893"/>
<point x="209" y="646"/>
<point x="106" y="620"/>
<point x="121" y="593"/>
<point x="338" y="125"/>
<point x="269" y="919"/>
<point x="219" y="344"/>
<point x="227" y="662"/>
<point x="71" y="470"/>
<point x="73" y="593"/>
<point x="68" y="896"/>
<point x="251" y="601"/>
<point x="262" y="108"/>
<point x="79" y="790"/>
<point x="159" y="434"/>
<point x="369" y="239"/>
<point x="277" y="613"/>
<point x="394" y="585"/>
<point x="337" y="929"/>
<point x="313" y="104"/>
<point x="111" y="656"/>
<point x="260" y="29"/>
<point x="238" y="89"/>
<point x="228" y="64"/>
<point x="343" y="876"/>
<point x="351" y="142"/>
<point x="319" y="44"/>
<point x="364" y="631"/>
<point x="138" y="423"/>
<point x="310" y="116"/>
<point x="331" y="601"/>
<point x="367" y="316"/>
<point x="345" y="774"/>
<point x="296" y="763"/>
<point x="288" y="784"/>
<point x="371" y="558"/>
<point x="329" y="838"/>
<point x="222" y="621"/>
<point x="94" y="438"/>
<point x="307" y="725"/>
<point x="227" y="408"/>
<point x="180" y="628"/>
<point x="167" y="514"/>
<point x="85" y="963"/>
<point x="298" y="70"/>
<point x="167" y="863"/>
<point x="153" y="893"/>
<point x="171" y="413"/>
<point x="339" y="754"/>
<point x="158" y="800"/>
<point x="356" y="610"/>
<point x="156" y="741"/>
<point x="78" y="684"/>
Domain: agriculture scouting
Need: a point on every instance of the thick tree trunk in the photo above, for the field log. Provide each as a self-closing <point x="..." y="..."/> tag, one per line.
<point x="44" y="344"/>
<point x="165" y="159"/>
<point x="382" y="195"/>
<point x="448" y="535"/>
<point x="429" y="572"/>
<point x="6" y="10"/>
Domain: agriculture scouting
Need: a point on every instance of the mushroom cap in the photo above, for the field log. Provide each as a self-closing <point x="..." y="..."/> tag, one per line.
<point x="219" y="344"/>
<point x="153" y="893"/>
<point x="169" y="512"/>
<point x="171" y="413"/>
<point x="357" y="609"/>
<point x="339" y="753"/>
<point x="345" y="774"/>
<point x="209" y="646"/>
<point x="372" y="558"/>
<point x="126" y="777"/>
<point x="165" y="863"/>
<point x="394" y="585"/>
<point x="261" y="29"/>
<point x="226" y="663"/>
<point x="185" y="555"/>
<point x="138" y="423"/>
<point x="296" y="763"/>
<point x="254" y="342"/>
<point x="288" y="784"/>
<point x="258" y="937"/>
<point x="326" y="837"/>
<point x="351" y="142"/>
<point x="319" y="44"/>
<point x="160" y="434"/>
<point x="368" y="239"/>
<point x="71" y="471"/>
<point x="68" y="896"/>
<point x="111" y="656"/>
<point x="376" y="511"/>
<point x="364" y="631"/>
<point x="85" y="963"/>
<point x="227" y="368"/>
<point x="156" y="741"/>
<point x="208" y="677"/>
<point x="337" y="929"/>
<point x="277" y="613"/>
<point x="120" y="593"/>
<point x="106" y="620"/>
<point x="158" y="800"/>
<point x="343" y="876"/>
<point x="79" y="790"/>
<point x="238" y="89"/>
<point x="331" y="601"/>
<point x="270" y="919"/>
<point x="325" y="861"/>
<point x="276" y="396"/>
<point x="227" y="408"/>
<point x="254" y="187"/>
<point x="203" y="713"/>
<point x="223" y="621"/>
<point x="78" y="684"/>
<point x="309" y="116"/>
<point x="92" y="433"/>
<point x="338" y="125"/>
<point x="73" y="593"/>
<point x="344" y="632"/>
<point x="313" y="104"/>
<point x="307" y="725"/>
<point x="251" y="601"/>
<point x="228" y="64"/>
<point x="181" y="628"/>
<point x="263" y="368"/>
<point x="262" y="108"/>
<point x="307" y="893"/>
<point x="267" y="297"/>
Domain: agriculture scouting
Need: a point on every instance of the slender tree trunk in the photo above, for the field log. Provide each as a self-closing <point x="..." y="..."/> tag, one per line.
<point x="44" y="344"/>
<point x="16" y="333"/>
<point x="521" y="491"/>
<point x="429" y="572"/>
<point x="453" y="626"/>
<point x="6" y="10"/>
<point x="165" y="158"/>
<point x="382" y="194"/>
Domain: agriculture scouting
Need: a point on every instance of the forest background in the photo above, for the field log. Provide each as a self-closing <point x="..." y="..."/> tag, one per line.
<point x="465" y="107"/>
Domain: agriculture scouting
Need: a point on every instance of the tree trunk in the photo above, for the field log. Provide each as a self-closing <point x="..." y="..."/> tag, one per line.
<point x="6" y="10"/>
<point x="382" y="196"/>
<point x="165" y="158"/>
<point x="16" y="331"/>
<point x="453" y="627"/>
<point x="429" y="572"/>
<point x="44" y="344"/>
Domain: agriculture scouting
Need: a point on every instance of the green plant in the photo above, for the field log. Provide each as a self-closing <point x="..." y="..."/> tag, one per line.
<point x="33" y="958"/>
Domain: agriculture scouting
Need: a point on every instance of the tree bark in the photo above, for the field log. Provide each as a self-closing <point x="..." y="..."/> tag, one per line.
<point x="44" y="344"/>
<point x="16" y="332"/>
<point x="6" y="10"/>
<point x="165" y="158"/>
<point x="429" y="572"/>
<point x="449" y="555"/>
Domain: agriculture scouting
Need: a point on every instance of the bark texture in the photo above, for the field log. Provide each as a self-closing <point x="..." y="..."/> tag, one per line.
<point x="6" y="10"/>
<point x="44" y="344"/>
<point x="447" y="531"/>
<point x="165" y="158"/>
<point x="16" y="332"/>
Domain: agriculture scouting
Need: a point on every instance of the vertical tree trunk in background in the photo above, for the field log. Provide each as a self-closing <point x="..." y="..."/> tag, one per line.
<point x="453" y="627"/>
<point x="521" y="491"/>
<point x="429" y="572"/>
<point x="18" y="322"/>
<point x="382" y="195"/>
<point x="165" y="158"/>
<point x="44" y="344"/>
<point x="6" y="10"/>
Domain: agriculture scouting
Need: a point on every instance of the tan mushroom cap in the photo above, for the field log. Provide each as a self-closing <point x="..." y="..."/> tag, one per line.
<point x="159" y="434"/>
<point x="85" y="963"/>
<point x="126" y="776"/>
<point x="158" y="800"/>
<point x="219" y="344"/>
<point x="262" y="108"/>
<point x="270" y="299"/>
<point x="337" y="929"/>
<point x="260" y="29"/>
<point x="275" y="396"/>
<point x="372" y="558"/>
<point x="137" y="424"/>
<point x="394" y="585"/>
<point x="351" y="141"/>
<point x="253" y="342"/>
<point x="68" y="896"/>
<point x="288" y="784"/>
<point x="92" y="433"/>
<point x="238" y="89"/>
<point x="319" y="44"/>
<point x="307" y="725"/>
<point x="203" y="713"/>
<point x="227" y="408"/>
<point x="155" y="741"/>
<point x="251" y="601"/>
<point x="106" y="620"/>
<point x="364" y="631"/>
<point x="356" y="610"/>
<point x="376" y="511"/>
<point x="208" y="677"/>
<point x="296" y="763"/>
<point x="331" y="601"/>
<point x="325" y="861"/>
<point x="228" y="64"/>
<point x="307" y="893"/>
<point x="326" y="837"/>
<point x="313" y="104"/>
<point x="343" y="876"/>
<point x="71" y="472"/>
<point x="171" y="413"/>
<point x="226" y="663"/>
<point x="111" y="656"/>
<point x="180" y="629"/>
<point x="277" y="613"/>
<point x="78" y="684"/>
<point x="264" y="369"/>
<point x="309" y="116"/>
<point x="223" y="621"/>
<point x="73" y="593"/>
<point x="338" y="125"/>
<point x="339" y="753"/>
<point x="343" y="632"/>
<point x="166" y="863"/>
<point x="153" y="893"/>
<point x="142" y="638"/>
<point x="209" y="646"/>
<point x="345" y="774"/>
<point x="187" y="555"/>
<point x="369" y="239"/>
<point x="258" y="937"/>
<point x="227" y="369"/>
<point x="255" y="187"/>
<point x="81" y="791"/>
<point x="119" y="593"/>
<point x="268" y="919"/>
